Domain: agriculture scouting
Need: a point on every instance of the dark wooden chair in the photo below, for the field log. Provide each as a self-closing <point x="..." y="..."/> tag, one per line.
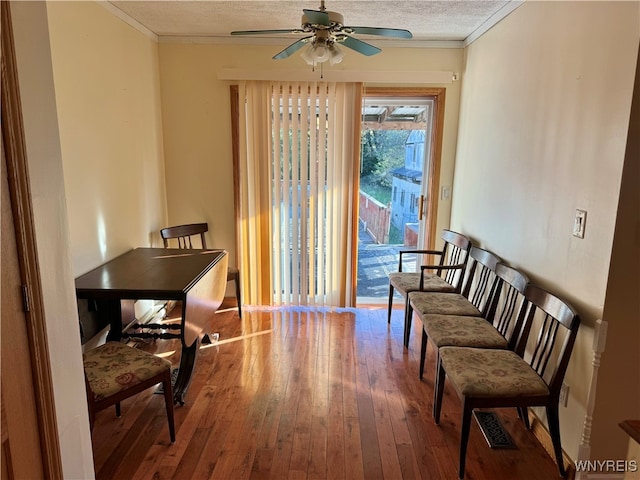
<point x="115" y="371"/>
<point x="448" y="273"/>
<point x="474" y="300"/>
<point x="184" y="234"/>
<point x="532" y="374"/>
<point x="499" y="329"/>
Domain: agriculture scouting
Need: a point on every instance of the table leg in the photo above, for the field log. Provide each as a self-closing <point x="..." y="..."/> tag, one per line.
<point x="187" y="364"/>
<point x="110" y="311"/>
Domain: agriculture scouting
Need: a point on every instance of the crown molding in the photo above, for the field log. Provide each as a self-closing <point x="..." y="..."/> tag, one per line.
<point x="492" y="21"/>
<point x="128" y="20"/>
<point x="336" y="75"/>
<point x="260" y="40"/>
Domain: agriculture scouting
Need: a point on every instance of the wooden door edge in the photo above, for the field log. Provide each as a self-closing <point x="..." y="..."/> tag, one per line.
<point x="18" y="179"/>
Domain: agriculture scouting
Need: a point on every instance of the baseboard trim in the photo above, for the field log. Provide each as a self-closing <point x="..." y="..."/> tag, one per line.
<point x="541" y="432"/>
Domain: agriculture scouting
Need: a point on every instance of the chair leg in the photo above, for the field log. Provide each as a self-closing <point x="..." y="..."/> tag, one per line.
<point x="423" y="351"/>
<point x="523" y="414"/>
<point x="168" y="400"/>
<point x="390" y="303"/>
<point x="554" y="430"/>
<point x="464" y="435"/>
<point x="92" y="419"/>
<point x="408" y="317"/>
<point x="118" y="413"/>
<point x="438" y="391"/>
<point x="238" y="300"/>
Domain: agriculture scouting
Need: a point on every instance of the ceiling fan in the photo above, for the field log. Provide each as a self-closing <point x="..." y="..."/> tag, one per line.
<point x="327" y="30"/>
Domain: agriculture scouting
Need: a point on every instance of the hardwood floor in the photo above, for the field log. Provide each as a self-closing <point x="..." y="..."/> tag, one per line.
<point x="304" y="394"/>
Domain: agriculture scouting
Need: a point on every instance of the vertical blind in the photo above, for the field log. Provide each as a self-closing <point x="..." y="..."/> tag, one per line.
<point x="298" y="180"/>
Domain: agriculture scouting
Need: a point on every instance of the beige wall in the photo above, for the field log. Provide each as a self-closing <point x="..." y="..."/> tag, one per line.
<point x="108" y="98"/>
<point x="197" y="128"/>
<point x="543" y="127"/>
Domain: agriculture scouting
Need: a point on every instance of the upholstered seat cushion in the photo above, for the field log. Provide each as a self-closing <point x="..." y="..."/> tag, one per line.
<point x="409" y="282"/>
<point x="479" y="372"/>
<point x="425" y="303"/>
<point x="454" y="330"/>
<point x="112" y="367"/>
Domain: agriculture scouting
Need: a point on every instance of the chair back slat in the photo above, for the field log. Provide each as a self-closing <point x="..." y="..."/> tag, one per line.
<point x="481" y="287"/>
<point x="456" y="257"/>
<point x="457" y="247"/>
<point x="544" y="345"/>
<point x="481" y="280"/>
<point x="509" y="303"/>
<point x="507" y="311"/>
<point x="557" y="325"/>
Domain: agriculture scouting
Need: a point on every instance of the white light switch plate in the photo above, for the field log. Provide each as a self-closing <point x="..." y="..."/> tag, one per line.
<point x="579" y="223"/>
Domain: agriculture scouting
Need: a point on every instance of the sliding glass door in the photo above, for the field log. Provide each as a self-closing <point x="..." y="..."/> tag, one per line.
<point x="396" y="181"/>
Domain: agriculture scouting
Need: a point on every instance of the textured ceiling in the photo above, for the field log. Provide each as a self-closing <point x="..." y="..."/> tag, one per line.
<point x="428" y="20"/>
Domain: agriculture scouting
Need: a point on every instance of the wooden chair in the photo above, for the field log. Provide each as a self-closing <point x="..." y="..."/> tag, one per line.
<point x="531" y="376"/>
<point x="473" y="301"/>
<point x="448" y="272"/>
<point x="499" y="329"/>
<point x="184" y="235"/>
<point x="115" y="371"/>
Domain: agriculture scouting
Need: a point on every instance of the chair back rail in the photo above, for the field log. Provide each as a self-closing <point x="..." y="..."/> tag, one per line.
<point x="184" y="234"/>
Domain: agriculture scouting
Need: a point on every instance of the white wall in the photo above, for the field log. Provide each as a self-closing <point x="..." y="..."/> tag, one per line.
<point x="50" y="217"/>
<point x="543" y="126"/>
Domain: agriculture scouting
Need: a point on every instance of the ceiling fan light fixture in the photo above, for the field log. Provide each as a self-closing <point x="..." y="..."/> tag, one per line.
<point x="322" y="50"/>
<point x="336" y="54"/>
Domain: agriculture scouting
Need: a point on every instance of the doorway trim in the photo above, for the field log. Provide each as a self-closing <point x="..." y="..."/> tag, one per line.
<point x="433" y="180"/>
<point x="18" y="180"/>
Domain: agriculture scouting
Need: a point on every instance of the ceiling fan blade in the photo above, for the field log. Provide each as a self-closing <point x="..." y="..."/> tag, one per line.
<point x="317" y="17"/>
<point x="385" y="32"/>
<point x="294" y="47"/>
<point x="265" y="32"/>
<point x="359" y="46"/>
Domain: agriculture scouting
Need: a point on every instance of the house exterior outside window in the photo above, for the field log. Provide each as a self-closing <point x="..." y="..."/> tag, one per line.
<point x="407" y="179"/>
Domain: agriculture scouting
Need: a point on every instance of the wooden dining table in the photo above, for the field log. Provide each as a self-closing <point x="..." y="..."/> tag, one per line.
<point x="197" y="278"/>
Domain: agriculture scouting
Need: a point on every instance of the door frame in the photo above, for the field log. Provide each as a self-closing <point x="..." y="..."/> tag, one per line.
<point x="437" y="94"/>
<point x="13" y="139"/>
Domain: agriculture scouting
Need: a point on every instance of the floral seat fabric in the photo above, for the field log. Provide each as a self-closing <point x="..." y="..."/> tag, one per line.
<point x="410" y="282"/>
<point x="442" y="304"/>
<point x="113" y="367"/>
<point x="478" y="372"/>
<point x="453" y="330"/>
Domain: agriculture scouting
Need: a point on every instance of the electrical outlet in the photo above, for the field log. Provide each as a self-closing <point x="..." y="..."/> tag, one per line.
<point x="564" y="394"/>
